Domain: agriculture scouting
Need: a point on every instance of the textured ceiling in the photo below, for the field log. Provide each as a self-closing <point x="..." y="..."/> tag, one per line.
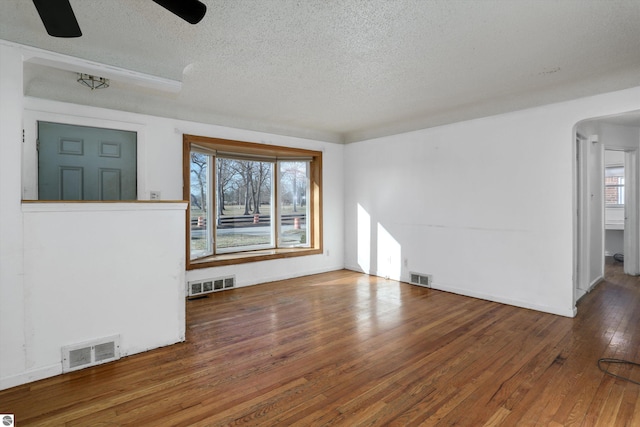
<point x="342" y="70"/>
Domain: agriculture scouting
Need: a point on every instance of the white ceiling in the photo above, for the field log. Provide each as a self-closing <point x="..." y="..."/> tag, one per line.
<point x="342" y="70"/>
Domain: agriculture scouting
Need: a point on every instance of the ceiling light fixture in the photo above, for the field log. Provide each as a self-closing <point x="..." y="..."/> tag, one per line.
<point x="93" y="82"/>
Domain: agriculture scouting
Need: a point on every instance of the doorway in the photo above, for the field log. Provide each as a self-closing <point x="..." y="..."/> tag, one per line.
<point x="614" y="205"/>
<point x="606" y="197"/>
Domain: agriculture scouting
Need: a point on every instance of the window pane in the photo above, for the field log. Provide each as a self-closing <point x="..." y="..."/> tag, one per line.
<point x="294" y="209"/>
<point x="614" y="186"/>
<point x="244" y="205"/>
<point x="200" y="207"/>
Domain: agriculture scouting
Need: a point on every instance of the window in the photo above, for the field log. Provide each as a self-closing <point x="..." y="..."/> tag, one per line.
<point x="86" y="163"/>
<point x="614" y="186"/>
<point x="250" y="201"/>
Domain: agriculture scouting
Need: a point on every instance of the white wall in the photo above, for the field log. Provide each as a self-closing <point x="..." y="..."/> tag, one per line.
<point x="95" y="270"/>
<point x="613" y="157"/>
<point x="12" y="309"/>
<point x="44" y="268"/>
<point x="485" y="206"/>
<point x="619" y="136"/>
<point x="614" y="242"/>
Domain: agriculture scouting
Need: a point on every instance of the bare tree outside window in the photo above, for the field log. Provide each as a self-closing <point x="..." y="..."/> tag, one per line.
<point x="294" y="192"/>
<point x="244" y="204"/>
<point x="199" y="180"/>
<point x="201" y="244"/>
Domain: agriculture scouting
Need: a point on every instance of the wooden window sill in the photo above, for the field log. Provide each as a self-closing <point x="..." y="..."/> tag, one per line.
<point x="251" y="256"/>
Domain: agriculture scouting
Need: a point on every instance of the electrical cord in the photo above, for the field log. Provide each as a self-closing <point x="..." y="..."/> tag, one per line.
<point x="625" y="362"/>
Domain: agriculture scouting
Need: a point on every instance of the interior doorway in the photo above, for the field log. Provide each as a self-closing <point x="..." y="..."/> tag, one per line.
<point x="614" y="205"/>
<point x="606" y="197"/>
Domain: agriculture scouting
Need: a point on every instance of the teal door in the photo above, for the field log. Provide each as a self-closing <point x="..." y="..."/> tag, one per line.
<point x="85" y="163"/>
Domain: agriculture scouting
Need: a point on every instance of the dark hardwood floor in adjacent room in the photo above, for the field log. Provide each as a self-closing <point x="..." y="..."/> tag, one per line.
<point x="344" y="348"/>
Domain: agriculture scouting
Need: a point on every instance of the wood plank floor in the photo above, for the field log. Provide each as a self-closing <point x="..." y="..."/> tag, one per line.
<point x="347" y="349"/>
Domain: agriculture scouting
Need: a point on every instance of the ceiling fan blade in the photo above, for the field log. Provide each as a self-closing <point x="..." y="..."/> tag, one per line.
<point x="58" y="18"/>
<point x="191" y="11"/>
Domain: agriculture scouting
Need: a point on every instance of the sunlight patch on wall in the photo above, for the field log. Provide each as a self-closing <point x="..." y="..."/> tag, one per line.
<point x="389" y="255"/>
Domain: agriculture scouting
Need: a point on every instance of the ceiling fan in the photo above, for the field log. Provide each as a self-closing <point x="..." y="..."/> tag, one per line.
<point x="60" y="21"/>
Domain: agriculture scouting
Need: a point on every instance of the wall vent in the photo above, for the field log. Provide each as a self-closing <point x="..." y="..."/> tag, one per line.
<point x="90" y="353"/>
<point x="203" y="287"/>
<point x="420" y="279"/>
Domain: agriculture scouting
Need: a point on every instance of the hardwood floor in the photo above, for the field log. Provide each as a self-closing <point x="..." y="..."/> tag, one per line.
<point x="344" y="348"/>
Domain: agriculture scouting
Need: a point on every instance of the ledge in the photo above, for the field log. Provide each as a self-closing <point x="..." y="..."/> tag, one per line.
<point x="253" y="256"/>
<point x="102" y="206"/>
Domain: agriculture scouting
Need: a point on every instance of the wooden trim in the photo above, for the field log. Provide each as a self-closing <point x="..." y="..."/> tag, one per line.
<point x="253" y="148"/>
<point x="315" y="177"/>
<point x="186" y="194"/>
<point x="249" y="147"/>
<point x="251" y="256"/>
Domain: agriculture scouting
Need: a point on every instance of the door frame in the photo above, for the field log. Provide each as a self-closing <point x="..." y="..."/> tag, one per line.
<point x="588" y="243"/>
<point x="581" y="229"/>
<point x="631" y="217"/>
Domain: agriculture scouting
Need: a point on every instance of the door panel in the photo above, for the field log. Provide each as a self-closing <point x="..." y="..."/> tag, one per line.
<point x="110" y="184"/>
<point x="84" y="163"/>
<point x="71" y="146"/>
<point x="71" y="183"/>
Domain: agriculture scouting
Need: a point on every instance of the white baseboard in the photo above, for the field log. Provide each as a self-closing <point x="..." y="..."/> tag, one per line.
<point x="56" y="369"/>
<point x="568" y="312"/>
<point x="30" y="376"/>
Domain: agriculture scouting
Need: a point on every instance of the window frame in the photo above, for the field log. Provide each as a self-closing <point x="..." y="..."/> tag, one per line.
<point x="618" y="187"/>
<point x="33" y="114"/>
<point x="243" y="148"/>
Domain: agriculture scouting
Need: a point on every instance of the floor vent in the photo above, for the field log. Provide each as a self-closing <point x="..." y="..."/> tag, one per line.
<point x="203" y="287"/>
<point x="90" y="353"/>
<point x="420" y="279"/>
